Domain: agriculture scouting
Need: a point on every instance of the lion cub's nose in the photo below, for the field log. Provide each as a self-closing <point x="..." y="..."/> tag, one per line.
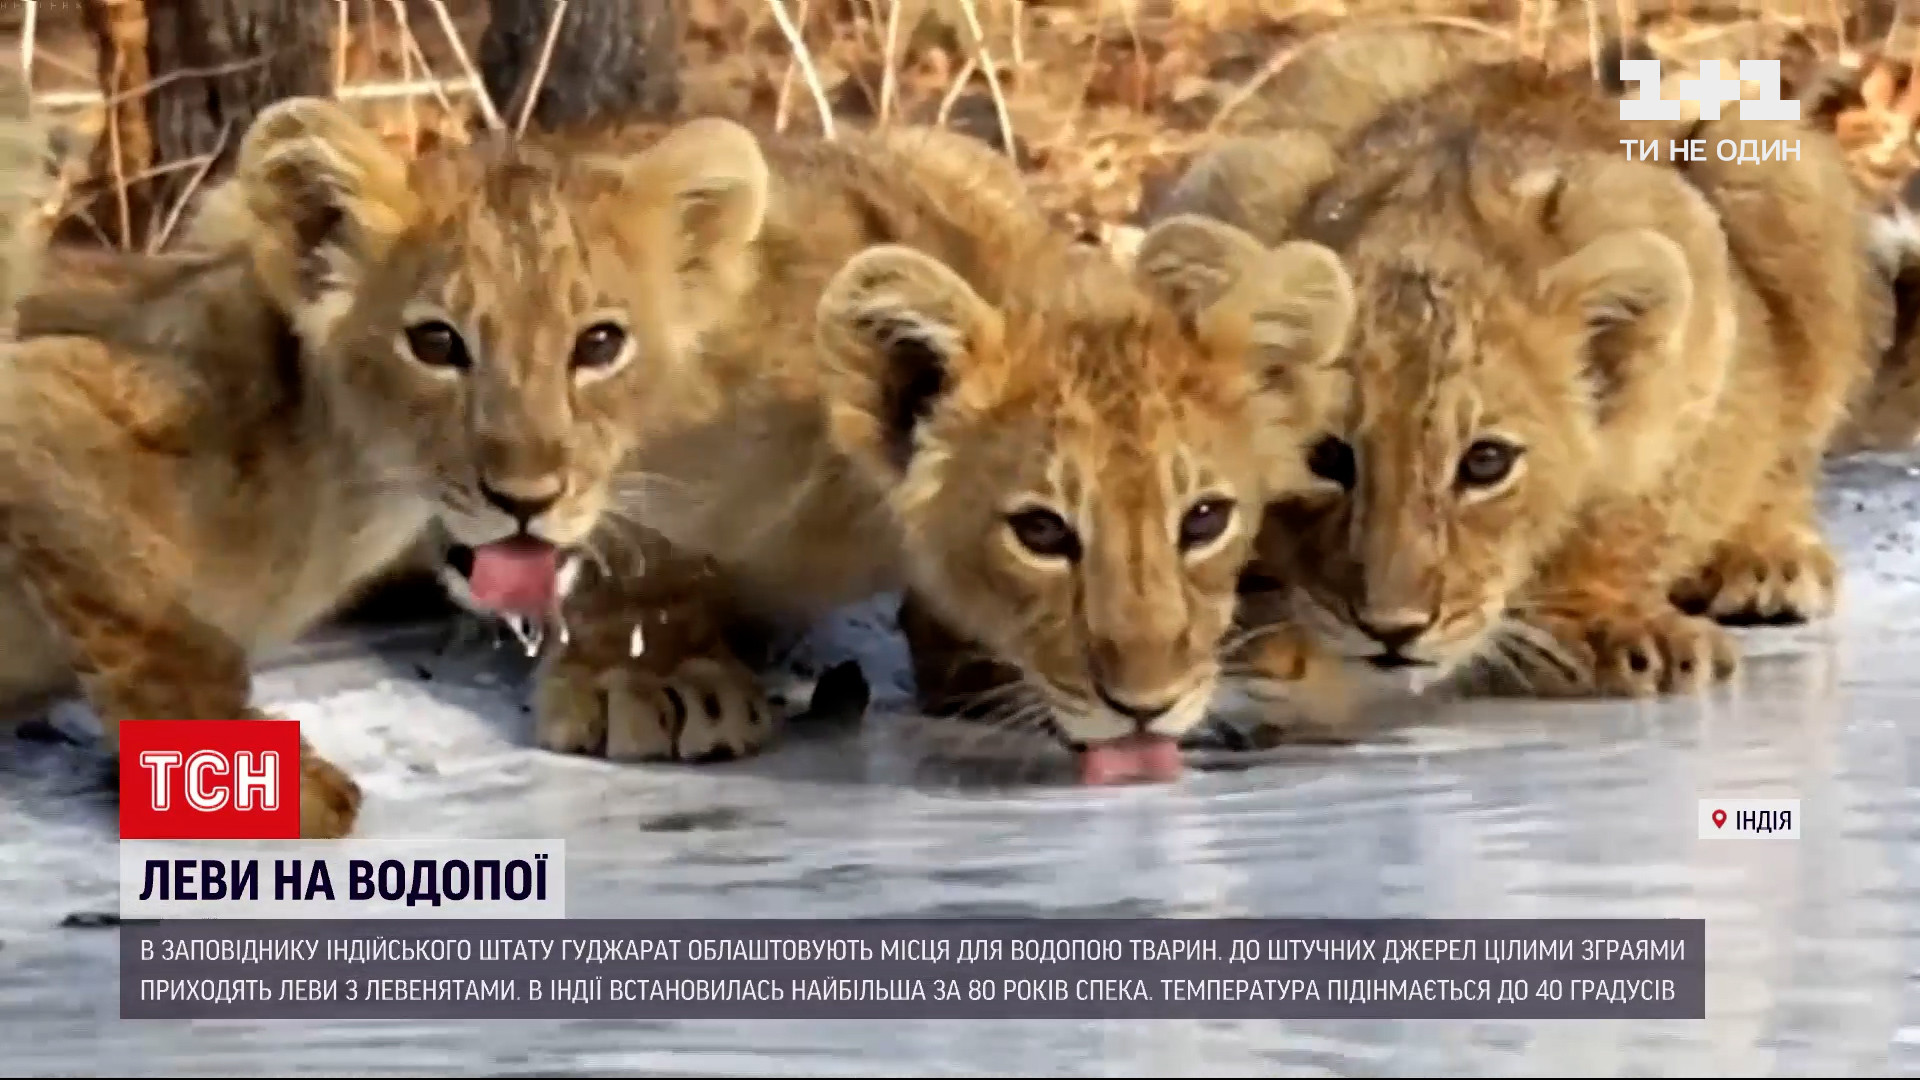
<point x="522" y="507"/>
<point x="1394" y="631"/>
<point x="1141" y="715"/>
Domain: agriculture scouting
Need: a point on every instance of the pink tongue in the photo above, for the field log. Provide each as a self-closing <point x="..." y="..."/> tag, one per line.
<point x="517" y="576"/>
<point x="1133" y="757"/>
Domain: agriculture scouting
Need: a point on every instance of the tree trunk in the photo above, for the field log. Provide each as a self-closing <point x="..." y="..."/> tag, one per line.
<point x="115" y="196"/>
<point x="611" y="57"/>
<point x="222" y="62"/>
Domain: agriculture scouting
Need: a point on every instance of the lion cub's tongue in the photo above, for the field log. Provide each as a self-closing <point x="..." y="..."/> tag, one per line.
<point x="518" y="576"/>
<point x="1131" y="757"/>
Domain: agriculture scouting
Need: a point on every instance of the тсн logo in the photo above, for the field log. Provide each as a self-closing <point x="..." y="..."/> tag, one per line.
<point x="210" y="780"/>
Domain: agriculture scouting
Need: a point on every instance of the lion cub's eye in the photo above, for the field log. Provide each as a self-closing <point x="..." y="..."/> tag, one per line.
<point x="1204" y="522"/>
<point x="1487" y="463"/>
<point x="1045" y="533"/>
<point x="1332" y="460"/>
<point x="598" y="346"/>
<point x="436" y="344"/>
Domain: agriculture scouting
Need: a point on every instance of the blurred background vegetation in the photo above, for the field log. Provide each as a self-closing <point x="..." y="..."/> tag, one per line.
<point x="1101" y="101"/>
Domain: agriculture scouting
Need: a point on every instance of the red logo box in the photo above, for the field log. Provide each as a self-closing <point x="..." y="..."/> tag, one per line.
<point x="210" y="780"/>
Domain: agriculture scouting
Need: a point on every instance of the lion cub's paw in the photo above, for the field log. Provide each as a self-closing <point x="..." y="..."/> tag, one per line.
<point x="711" y="708"/>
<point x="1296" y="680"/>
<point x="1282" y="653"/>
<point x="329" y="799"/>
<point x="1781" y="582"/>
<point x="1633" y="652"/>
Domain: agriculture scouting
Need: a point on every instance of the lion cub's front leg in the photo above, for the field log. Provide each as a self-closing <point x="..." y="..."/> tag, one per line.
<point x="645" y="672"/>
<point x="1611" y="628"/>
<point x="141" y="653"/>
<point x="1775" y="568"/>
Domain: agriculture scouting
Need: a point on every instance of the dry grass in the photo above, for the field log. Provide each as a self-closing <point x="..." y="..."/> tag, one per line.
<point x="1101" y="100"/>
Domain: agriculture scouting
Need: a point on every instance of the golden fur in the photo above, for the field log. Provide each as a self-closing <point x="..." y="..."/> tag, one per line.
<point x="1589" y="395"/>
<point x="912" y="373"/>
<point x="207" y="452"/>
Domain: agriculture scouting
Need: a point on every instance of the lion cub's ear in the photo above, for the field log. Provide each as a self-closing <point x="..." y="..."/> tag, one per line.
<point x="894" y="327"/>
<point x="1633" y="293"/>
<point x="328" y="198"/>
<point x="1288" y="307"/>
<point x="714" y="179"/>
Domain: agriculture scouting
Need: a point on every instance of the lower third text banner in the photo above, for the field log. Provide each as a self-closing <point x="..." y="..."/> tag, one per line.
<point x="1517" y="969"/>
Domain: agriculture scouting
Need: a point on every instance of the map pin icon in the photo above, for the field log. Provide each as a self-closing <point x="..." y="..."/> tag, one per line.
<point x="1719" y="818"/>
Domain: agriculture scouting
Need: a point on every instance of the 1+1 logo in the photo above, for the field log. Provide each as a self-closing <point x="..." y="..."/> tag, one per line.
<point x="1708" y="91"/>
<point x="210" y="780"/>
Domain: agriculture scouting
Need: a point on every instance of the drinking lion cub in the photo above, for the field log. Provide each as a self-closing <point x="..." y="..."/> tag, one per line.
<point x="921" y="384"/>
<point x="1589" y="394"/>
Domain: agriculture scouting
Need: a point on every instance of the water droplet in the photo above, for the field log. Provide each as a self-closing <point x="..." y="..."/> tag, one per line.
<point x="529" y="632"/>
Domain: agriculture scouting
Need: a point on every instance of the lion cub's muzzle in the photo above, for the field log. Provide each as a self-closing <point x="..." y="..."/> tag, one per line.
<point x="518" y="577"/>
<point x="526" y="572"/>
<point x="1131" y="736"/>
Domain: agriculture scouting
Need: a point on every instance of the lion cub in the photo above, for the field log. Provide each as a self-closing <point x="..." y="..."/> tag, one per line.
<point x="207" y="452"/>
<point x="1589" y="395"/>
<point x="921" y="385"/>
